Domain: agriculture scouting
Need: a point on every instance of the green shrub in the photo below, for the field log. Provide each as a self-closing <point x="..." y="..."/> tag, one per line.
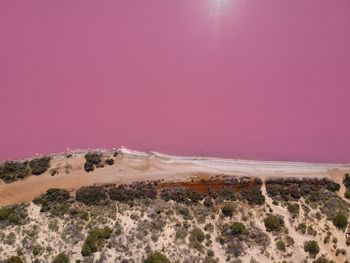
<point x="14" y="259"/>
<point x="228" y="209"/>
<point x="340" y="221"/>
<point x="197" y="235"/>
<point x="273" y="223"/>
<point x="281" y="245"/>
<point x="237" y="228"/>
<point x="39" y="165"/>
<point x="95" y="240"/>
<point x="275" y="202"/>
<point x="157" y="258"/>
<point x="293" y="208"/>
<point x="311" y="247"/>
<point x="91" y="195"/>
<point x="11" y="171"/>
<point x="61" y="258"/>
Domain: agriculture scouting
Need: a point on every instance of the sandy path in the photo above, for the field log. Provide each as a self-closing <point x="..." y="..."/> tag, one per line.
<point x="134" y="166"/>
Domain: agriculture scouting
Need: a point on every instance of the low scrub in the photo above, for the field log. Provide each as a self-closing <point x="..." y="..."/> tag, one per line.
<point x="13" y="215"/>
<point x="126" y="193"/>
<point x="95" y="240"/>
<point x="91" y="195"/>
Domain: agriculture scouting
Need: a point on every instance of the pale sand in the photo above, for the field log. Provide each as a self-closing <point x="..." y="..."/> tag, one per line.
<point x="133" y="166"/>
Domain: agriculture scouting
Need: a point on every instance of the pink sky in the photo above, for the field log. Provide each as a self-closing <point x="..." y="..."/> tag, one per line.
<point x="239" y="79"/>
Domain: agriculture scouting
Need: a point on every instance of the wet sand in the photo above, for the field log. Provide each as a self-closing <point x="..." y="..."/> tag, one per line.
<point x="131" y="166"/>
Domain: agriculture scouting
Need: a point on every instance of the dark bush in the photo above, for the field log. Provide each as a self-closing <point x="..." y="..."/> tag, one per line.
<point x="61" y="258"/>
<point x="312" y="248"/>
<point x="88" y="167"/>
<point x="91" y="195"/>
<point x="340" y="221"/>
<point x="54" y="201"/>
<point x="228" y="209"/>
<point x="157" y="258"/>
<point x="95" y="240"/>
<point x="12" y="171"/>
<point x="273" y="222"/>
<point x="93" y="157"/>
<point x="237" y="228"/>
<point x="39" y="165"/>
<point x="139" y="190"/>
<point x="110" y="161"/>
<point x="14" y="259"/>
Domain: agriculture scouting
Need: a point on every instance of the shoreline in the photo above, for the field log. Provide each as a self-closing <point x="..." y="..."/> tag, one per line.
<point x="135" y="153"/>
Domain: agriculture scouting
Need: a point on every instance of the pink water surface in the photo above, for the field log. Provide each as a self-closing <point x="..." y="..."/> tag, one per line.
<point x="239" y="79"/>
